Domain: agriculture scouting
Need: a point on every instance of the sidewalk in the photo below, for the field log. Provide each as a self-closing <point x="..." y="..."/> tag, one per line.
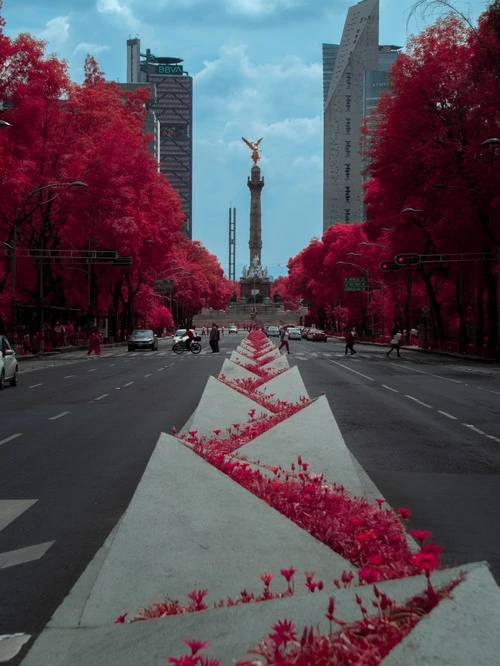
<point x="190" y="527"/>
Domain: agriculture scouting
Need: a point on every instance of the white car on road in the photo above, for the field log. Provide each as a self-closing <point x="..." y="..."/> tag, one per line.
<point x="293" y="333"/>
<point x="8" y="363"/>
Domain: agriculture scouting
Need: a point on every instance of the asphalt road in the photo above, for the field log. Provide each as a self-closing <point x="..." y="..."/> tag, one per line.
<point x="77" y="433"/>
<point x="75" y="437"/>
<point x="426" y="429"/>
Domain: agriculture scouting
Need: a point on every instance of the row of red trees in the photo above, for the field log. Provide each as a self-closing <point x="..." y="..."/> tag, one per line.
<point x="432" y="188"/>
<point x="62" y="135"/>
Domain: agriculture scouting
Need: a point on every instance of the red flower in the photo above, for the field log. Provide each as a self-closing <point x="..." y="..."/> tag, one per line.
<point x="121" y="619"/>
<point x="376" y="560"/>
<point x="266" y="578"/>
<point x="196" y="645"/>
<point x="174" y="430"/>
<point x="288" y="573"/>
<point x="217" y="432"/>
<point x="366" y="535"/>
<point x="367" y="575"/>
<point x="420" y="535"/>
<point x="403" y="512"/>
<point x="284" y="632"/>
<point x="425" y="561"/>
<point x="356" y="522"/>
<point x="192" y="432"/>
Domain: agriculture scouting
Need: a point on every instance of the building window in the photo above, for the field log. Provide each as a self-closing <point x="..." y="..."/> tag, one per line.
<point x="347" y="171"/>
<point x="348" y="79"/>
<point x="347" y="148"/>
<point x="347" y="193"/>
<point x="347" y="214"/>
<point x="348" y="102"/>
<point x="347" y="125"/>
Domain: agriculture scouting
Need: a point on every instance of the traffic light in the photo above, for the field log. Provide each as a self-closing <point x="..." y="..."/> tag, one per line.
<point x="407" y="259"/>
<point x="389" y="266"/>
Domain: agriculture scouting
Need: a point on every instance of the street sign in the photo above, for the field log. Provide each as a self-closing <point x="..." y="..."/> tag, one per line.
<point x="165" y="286"/>
<point x="425" y="310"/>
<point x="354" y="284"/>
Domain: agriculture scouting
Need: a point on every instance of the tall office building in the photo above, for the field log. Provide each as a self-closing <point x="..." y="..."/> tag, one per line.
<point x="172" y="106"/>
<point x="354" y="74"/>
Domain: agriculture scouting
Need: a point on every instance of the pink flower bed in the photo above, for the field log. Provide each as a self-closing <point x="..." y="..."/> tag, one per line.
<point x="370" y="536"/>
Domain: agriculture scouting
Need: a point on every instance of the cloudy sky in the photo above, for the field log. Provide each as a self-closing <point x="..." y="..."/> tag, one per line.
<point x="257" y="72"/>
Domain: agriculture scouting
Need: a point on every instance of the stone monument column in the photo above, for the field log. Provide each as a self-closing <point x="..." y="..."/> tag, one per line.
<point x="255" y="184"/>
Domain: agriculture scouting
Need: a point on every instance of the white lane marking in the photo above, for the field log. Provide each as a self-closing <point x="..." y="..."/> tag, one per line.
<point x="34" y="385"/>
<point x="159" y="369"/>
<point x="424" y="404"/>
<point x="11" y="644"/>
<point x="69" y="376"/>
<point x="127" y="384"/>
<point x="58" y="416"/>
<point x="448" y="416"/>
<point x="351" y="370"/>
<point x="471" y="427"/>
<point x="104" y="395"/>
<point x="148" y="375"/>
<point x="430" y="374"/>
<point x="12" y="509"/>
<point x="9" y="439"/>
<point x="93" y="370"/>
<point x="389" y="388"/>
<point x="493" y="438"/>
<point x="12" y="558"/>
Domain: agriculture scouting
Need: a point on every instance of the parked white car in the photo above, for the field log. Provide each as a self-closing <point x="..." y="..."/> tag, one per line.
<point x="232" y="329"/>
<point x="8" y="363"/>
<point x="293" y="333"/>
<point x="273" y="332"/>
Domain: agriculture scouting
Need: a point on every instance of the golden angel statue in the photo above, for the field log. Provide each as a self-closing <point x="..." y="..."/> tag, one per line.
<point x="254" y="147"/>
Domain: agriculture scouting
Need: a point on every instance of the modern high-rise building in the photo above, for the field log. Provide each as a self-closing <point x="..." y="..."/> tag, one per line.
<point x="354" y="74"/>
<point x="172" y="106"/>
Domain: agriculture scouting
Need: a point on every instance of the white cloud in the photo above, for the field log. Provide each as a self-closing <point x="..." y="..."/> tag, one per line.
<point x="120" y="10"/>
<point x="85" y="47"/>
<point x="56" y="31"/>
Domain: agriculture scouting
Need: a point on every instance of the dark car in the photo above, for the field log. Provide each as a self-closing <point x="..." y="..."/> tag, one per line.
<point x="142" y="339"/>
<point x="319" y="336"/>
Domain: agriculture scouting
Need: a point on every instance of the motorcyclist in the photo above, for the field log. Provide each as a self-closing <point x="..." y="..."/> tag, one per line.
<point x="189" y="337"/>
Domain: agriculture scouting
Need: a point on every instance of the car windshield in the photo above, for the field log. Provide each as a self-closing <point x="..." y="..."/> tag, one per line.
<point x="142" y="334"/>
<point x="180" y="331"/>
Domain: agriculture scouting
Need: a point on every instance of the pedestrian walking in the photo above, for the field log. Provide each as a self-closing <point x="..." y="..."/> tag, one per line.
<point x="350" y="338"/>
<point x="95" y="343"/>
<point x="214" y="338"/>
<point x="284" y="339"/>
<point x="396" y="344"/>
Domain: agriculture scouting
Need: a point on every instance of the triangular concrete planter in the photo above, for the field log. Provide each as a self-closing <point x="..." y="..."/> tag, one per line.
<point x="313" y="434"/>
<point x="219" y="406"/>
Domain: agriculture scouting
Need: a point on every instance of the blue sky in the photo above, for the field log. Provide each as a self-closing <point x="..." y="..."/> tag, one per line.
<point x="257" y="72"/>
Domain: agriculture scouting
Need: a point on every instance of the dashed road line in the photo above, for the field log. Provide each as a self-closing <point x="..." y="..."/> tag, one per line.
<point x="148" y="375"/>
<point x="104" y="395"/>
<point x="424" y="404"/>
<point x="354" y="371"/>
<point x="496" y="439"/>
<point x="389" y="388"/>
<point x="448" y="416"/>
<point x="93" y="370"/>
<point x="35" y="386"/>
<point x="69" y="376"/>
<point x="471" y="427"/>
<point x="9" y="439"/>
<point x="127" y="384"/>
<point x="58" y="416"/>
